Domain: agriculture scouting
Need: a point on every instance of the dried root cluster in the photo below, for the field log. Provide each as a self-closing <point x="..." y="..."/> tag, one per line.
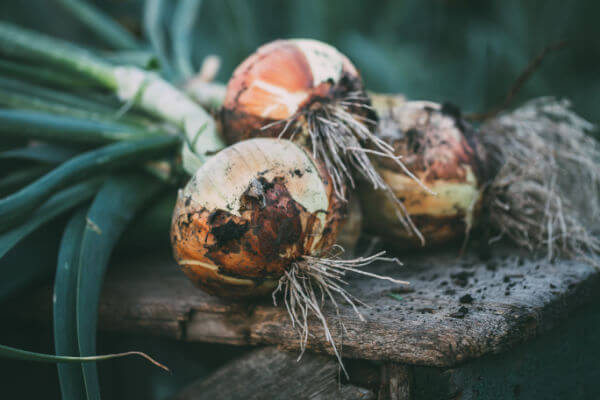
<point x="545" y="194"/>
<point x="342" y="137"/>
<point x="312" y="281"/>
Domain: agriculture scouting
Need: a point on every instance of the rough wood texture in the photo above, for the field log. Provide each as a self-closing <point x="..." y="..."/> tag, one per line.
<point x="272" y="374"/>
<point x="561" y="364"/>
<point x="396" y="382"/>
<point x="455" y="309"/>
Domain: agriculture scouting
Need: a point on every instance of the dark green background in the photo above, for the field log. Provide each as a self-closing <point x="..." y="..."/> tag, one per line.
<point x="466" y="52"/>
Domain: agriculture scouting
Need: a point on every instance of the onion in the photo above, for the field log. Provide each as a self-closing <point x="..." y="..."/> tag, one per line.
<point x="262" y="216"/>
<point x="249" y="212"/>
<point x="533" y="174"/>
<point x="439" y="148"/>
<point x="309" y="92"/>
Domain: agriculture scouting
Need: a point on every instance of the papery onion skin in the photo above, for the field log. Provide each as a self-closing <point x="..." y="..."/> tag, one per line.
<point x="280" y="80"/>
<point x="251" y="211"/>
<point x="442" y="151"/>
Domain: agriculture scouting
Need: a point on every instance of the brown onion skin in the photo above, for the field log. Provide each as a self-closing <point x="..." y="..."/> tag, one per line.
<point x="282" y="64"/>
<point x="440" y="149"/>
<point x="253" y="250"/>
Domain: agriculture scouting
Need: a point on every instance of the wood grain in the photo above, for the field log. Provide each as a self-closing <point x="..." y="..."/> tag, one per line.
<point x="272" y="374"/>
<point x="455" y="309"/>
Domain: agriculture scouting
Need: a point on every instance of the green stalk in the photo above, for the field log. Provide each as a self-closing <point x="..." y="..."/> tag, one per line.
<point x="65" y="129"/>
<point x="21" y="177"/>
<point x="113" y="208"/>
<point x="101" y="24"/>
<point x="22" y="87"/>
<point x="154" y="11"/>
<point x="17" y="206"/>
<point x="38" y="48"/>
<point x="64" y="305"/>
<point x="131" y="84"/>
<point x="41" y="74"/>
<point x="11" y="99"/>
<point x="210" y="95"/>
<point x="57" y="204"/>
<point x="18" y="354"/>
<point x="86" y="100"/>
<point x="184" y="18"/>
<point x="40" y="153"/>
<point x="139" y="58"/>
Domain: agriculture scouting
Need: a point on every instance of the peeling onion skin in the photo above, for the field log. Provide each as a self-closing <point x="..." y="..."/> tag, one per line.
<point x="442" y="151"/>
<point x="279" y="81"/>
<point x="249" y="212"/>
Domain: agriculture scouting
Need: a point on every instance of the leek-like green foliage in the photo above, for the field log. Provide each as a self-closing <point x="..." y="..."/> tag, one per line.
<point x="64" y="305"/>
<point x="77" y="139"/>
<point x="113" y="208"/>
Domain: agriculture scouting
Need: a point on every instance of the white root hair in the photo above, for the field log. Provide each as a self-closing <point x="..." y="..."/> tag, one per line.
<point x="546" y="192"/>
<point x="313" y="280"/>
<point x="337" y="135"/>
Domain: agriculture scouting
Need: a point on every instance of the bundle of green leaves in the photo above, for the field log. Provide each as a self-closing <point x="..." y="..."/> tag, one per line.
<point x="89" y="138"/>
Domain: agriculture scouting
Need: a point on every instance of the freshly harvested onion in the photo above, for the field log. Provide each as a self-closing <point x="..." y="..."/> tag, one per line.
<point x="262" y="216"/>
<point x="439" y="149"/>
<point x="309" y="92"/>
<point x="251" y="211"/>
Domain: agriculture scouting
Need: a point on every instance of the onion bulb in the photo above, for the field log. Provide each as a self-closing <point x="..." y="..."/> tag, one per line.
<point x="308" y="92"/>
<point x="261" y="216"/>
<point x="251" y="211"/>
<point x="436" y="145"/>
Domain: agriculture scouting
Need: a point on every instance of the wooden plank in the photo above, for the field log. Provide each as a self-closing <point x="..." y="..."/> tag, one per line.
<point x="273" y="374"/>
<point x="456" y="309"/>
<point x="396" y="382"/>
<point x="561" y="364"/>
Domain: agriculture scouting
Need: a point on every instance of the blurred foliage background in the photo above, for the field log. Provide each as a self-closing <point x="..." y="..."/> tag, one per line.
<point x="465" y="52"/>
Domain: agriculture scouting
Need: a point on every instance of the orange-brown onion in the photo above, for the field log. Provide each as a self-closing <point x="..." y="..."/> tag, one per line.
<point x="440" y="149"/>
<point x="280" y="80"/>
<point x="249" y="213"/>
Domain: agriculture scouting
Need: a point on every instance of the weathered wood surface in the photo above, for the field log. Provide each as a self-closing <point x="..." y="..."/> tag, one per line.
<point x="456" y="308"/>
<point x="396" y="382"/>
<point x="558" y="365"/>
<point x="273" y="374"/>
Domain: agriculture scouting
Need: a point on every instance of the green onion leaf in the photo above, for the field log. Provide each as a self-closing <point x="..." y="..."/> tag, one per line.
<point x="184" y="18"/>
<point x="154" y="12"/>
<point x="65" y="129"/>
<point x="113" y="208"/>
<point x="18" y="354"/>
<point x="40" y="153"/>
<point x="64" y="306"/>
<point x="103" y="25"/>
<point x="39" y="48"/>
<point x="142" y="59"/>
<point x="16" y="206"/>
<point x="43" y="74"/>
<point x="56" y="205"/>
<point x="20" y="177"/>
<point x="56" y="96"/>
<point x="10" y="99"/>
